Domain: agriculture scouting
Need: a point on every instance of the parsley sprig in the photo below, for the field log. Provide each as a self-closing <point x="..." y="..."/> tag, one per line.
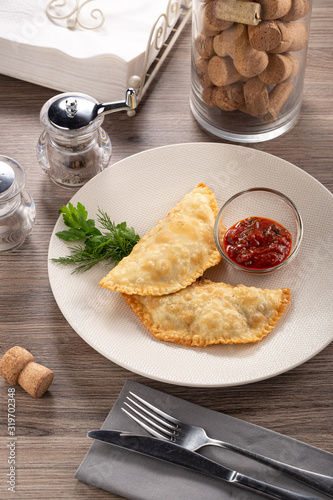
<point x="115" y="243"/>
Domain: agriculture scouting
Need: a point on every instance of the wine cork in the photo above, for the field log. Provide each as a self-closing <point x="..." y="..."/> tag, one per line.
<point x="35" y="379"/>
<point x="222" y="71"/>
<point x="208" y="96"/>
<point x="219" y="45"/>
<point x="236" y="93"/>
<point x="235" y="40"/>
<point x="13" y="362"/>
<point x="248" y="61"/>
<point x="299" y="9"/>
<point x="277" y="98"/>
<point x="300" y="37"/>
<point x="274" y="9"/>
<point x="251" y="62"/>
<point x="264" y="37"/>
<point x="278" y="70"/>
<point x="211" y="23"/>
<point x="244" y="109"/>
<point x="209" y="32"/>
<point x="229" y="97"/>
<point x="256" y="97"/>
<point x="201" y="68"/>
<point x="238" y="11"/>
<point x="203" y="44"/>
<point x="294" y="64"/>
<point x="287" y="36"/>
<point x="17" y="366"/>
<point x="223" y="101"/>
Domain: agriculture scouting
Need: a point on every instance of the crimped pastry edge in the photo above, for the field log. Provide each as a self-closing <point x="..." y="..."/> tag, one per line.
<point x="151" y="290"/>
<point x="173" y="336"/>
<point x="214" y="259"/>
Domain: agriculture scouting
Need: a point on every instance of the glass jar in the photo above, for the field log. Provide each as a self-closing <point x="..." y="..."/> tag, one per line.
<point x="248" y="66"/>
<point x="72" y="157"/>
<point x="17" y="208"/>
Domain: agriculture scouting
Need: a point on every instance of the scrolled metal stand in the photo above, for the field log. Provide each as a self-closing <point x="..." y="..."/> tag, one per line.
<point x="73" y="15"/>
<point x="162" y="38"/>
<point x="158" y="41"/>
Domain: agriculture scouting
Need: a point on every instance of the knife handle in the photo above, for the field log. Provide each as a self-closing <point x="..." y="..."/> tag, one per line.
<point x="267" y="489"/>
<point x="315" y="480"/>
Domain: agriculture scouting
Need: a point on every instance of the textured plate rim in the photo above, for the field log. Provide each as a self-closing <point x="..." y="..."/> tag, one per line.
<point x="166" y="379"/>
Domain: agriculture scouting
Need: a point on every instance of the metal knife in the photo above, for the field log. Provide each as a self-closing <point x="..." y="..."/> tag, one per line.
<point x="171" y="452"/>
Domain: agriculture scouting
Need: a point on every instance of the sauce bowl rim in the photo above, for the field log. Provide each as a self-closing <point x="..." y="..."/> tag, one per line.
<point x="300" y="231"/>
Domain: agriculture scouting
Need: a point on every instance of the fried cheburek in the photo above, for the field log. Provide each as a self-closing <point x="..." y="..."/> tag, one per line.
<point x="158" y="281"/>
<point x="211" y="313"/>
<point x="174" y="253"/>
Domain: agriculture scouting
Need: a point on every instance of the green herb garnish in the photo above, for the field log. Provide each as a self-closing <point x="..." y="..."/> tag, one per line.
<point x="112" y="245"/>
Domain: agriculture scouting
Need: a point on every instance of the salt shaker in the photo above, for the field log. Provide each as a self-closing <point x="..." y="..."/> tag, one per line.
<point x="74" y="147"/>
<point x="17" y="208"/>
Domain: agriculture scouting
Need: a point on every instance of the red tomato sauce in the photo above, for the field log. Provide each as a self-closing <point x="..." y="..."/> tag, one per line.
<point x="257" y="243"/>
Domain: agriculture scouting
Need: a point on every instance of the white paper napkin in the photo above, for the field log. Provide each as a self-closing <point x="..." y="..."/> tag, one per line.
<point x="124" y="33"/>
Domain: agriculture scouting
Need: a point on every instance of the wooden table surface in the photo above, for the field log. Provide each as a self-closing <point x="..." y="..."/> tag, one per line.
<point x="51" y="431"/>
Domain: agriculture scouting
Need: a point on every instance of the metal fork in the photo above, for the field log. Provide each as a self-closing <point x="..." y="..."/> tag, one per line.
<point x="164" y="426"/>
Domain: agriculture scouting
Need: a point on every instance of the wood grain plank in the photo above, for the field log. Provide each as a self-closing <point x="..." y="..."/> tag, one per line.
<point x="51" y="431"/>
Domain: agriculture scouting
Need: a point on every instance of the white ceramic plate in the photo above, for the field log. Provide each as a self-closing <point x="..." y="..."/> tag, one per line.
<point x="141" y="190"/>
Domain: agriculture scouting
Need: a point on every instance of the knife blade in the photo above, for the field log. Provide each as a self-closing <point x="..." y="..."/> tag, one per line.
<point x="175" y="454"/>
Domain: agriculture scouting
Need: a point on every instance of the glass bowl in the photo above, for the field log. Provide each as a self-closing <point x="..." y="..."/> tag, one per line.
<point x="259" y="202"/>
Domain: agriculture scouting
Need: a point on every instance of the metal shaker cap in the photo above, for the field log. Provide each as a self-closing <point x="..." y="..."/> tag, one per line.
<point x="64" y="114"/>
<point x="78" y="112"/>
<point x="7" y="176"/>
<point x="12" y="178"/>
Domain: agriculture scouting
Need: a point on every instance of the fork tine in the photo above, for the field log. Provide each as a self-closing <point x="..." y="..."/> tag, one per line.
<point x="153" y="421"/>
<point x="167" y="417"/>
<point x="166" y="423"/>
<point x="151" y="418"/>
<point x="145" y="426"/>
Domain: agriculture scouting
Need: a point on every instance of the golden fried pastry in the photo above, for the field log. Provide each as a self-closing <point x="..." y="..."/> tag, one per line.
<point x="211" y="313"/>
<point x="174" y="253"/>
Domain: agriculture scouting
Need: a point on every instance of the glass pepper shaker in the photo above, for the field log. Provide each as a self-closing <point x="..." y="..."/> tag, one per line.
<point x="74" y="147"/>
<point x="17" y="208"/>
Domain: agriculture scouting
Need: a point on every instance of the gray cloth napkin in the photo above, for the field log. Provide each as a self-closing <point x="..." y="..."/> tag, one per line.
<point x="137" y="477"/>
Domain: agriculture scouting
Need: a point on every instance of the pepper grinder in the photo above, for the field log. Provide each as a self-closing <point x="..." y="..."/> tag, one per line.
<point x="17" y="208"/>
<point x="74" y="147"/>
